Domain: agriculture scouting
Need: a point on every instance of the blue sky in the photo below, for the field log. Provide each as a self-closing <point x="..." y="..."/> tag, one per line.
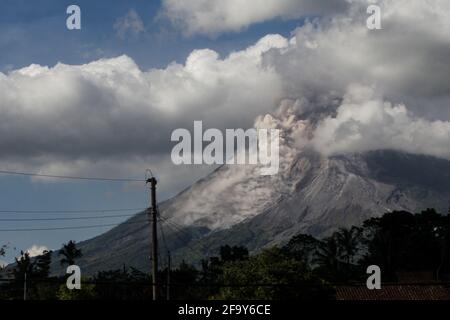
<point x="34" y="32"/>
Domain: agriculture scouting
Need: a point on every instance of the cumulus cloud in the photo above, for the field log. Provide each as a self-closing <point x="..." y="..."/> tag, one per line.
<point x="36" y="250"/>
<point x="342" y="87"/>
<point x="110" y="114"/>
<point x="212" y="17"/>
<point x="130" y="24"/>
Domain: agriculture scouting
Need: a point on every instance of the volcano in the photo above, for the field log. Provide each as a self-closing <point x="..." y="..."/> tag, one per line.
<point x="312" y="194"/>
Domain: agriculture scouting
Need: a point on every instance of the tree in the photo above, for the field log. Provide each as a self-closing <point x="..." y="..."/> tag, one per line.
<point x="348" y="241"/>
<point x="235" y="253"/>
<point x="37" y="271"/>
<point x="3" y="250"/>
<point x="2" y="254"/>
<point x="87" y="292"/>
<point x="328" y="256"/>
<point x="42" y="264"/>
<point x="302" y="247"/>
<point x="212" y="268"/>
<point x="401" y="241"/>
<point x="271" y="275"/>
<point x="387" y="241"/>
<point x="70" y="253"/>
<point x="186" y="276"/>
<point x="24" y="265"/>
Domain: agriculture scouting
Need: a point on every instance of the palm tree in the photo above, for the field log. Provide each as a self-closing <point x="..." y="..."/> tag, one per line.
<point x="70" y="253"/>
<point x="42" y="264"/>
<point x="348" y="241"/>
<point x="328" y="254"/>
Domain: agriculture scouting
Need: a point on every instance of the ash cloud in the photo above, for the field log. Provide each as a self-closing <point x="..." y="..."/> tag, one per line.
<point x="356" y="90"/>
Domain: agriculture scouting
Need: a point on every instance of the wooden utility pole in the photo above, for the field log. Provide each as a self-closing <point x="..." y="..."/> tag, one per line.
<point x="153" y="213"/>
<point x="168" y="275"/>
<point x="25" y="287"/>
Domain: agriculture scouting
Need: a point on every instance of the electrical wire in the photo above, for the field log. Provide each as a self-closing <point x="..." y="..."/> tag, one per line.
<point x="67" y="218"/>
<point x="163" y="237"/>
<point x="71" y="228"/>
<point x="177" y="232"/>
<point x="69" y="211"/>
<point x="69" y="177"/>
<point x="180" y="229"/>
<point x="196" y="284"/>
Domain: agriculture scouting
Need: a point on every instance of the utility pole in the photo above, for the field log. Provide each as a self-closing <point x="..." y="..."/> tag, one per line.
<point x="153" y="213"/>
<point x="25" y="287"/>
<point x="168" y="276"/>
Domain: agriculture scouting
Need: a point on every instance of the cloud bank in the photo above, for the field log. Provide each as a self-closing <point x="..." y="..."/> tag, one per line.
<point x="339" y="87"/>
<point x="110" y="116"/>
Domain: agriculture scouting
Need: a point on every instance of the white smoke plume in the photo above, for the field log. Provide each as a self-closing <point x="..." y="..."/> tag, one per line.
<point x="351" y="89"/>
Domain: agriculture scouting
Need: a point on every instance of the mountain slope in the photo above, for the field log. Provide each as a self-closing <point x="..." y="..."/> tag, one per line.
<point x="311" y="194"/>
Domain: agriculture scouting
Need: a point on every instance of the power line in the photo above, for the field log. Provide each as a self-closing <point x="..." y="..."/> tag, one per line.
<point x="178" y="226"/>
<point x="71" y="211"/>
<point x="177" y="232"/>
<point x="168" y="282"/>
<point x="69" y="218"/>
<point x="70" y="228"/>
<point x="180" y="229"/>
<point x="163" y="237"/>
<point x="209" y="284"/>
<point x="194" y="251"/>
<point x="17" y="173"/>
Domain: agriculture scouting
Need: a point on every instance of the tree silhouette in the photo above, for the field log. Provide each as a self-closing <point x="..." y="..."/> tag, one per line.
<point x="24" y="265"/>
<point x="328" y="253"/>
<point x="302" y="247"/>
<point x="348" y="242"/>
<point x="328" y="258"/>
<point x="389" y="239"/>
<point x="235" y="253"/>
<point x="42" y="264"/>
<point x="70" y="253"/>
<point x="2" y="250"/>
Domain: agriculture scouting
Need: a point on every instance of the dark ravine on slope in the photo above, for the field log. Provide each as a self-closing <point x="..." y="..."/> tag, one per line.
<point x="324" y="194"/>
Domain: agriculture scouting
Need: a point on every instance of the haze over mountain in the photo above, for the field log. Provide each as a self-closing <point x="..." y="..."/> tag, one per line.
<point x="313" y="194"/>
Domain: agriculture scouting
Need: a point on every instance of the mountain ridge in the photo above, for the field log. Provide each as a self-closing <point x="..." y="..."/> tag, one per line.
<point x="313" y="194"/>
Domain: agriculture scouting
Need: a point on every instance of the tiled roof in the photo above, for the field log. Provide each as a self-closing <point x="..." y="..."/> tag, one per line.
<point x="394" y="292"/>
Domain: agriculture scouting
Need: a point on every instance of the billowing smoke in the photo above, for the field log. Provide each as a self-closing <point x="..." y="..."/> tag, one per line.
<point x="350" y="89"/>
